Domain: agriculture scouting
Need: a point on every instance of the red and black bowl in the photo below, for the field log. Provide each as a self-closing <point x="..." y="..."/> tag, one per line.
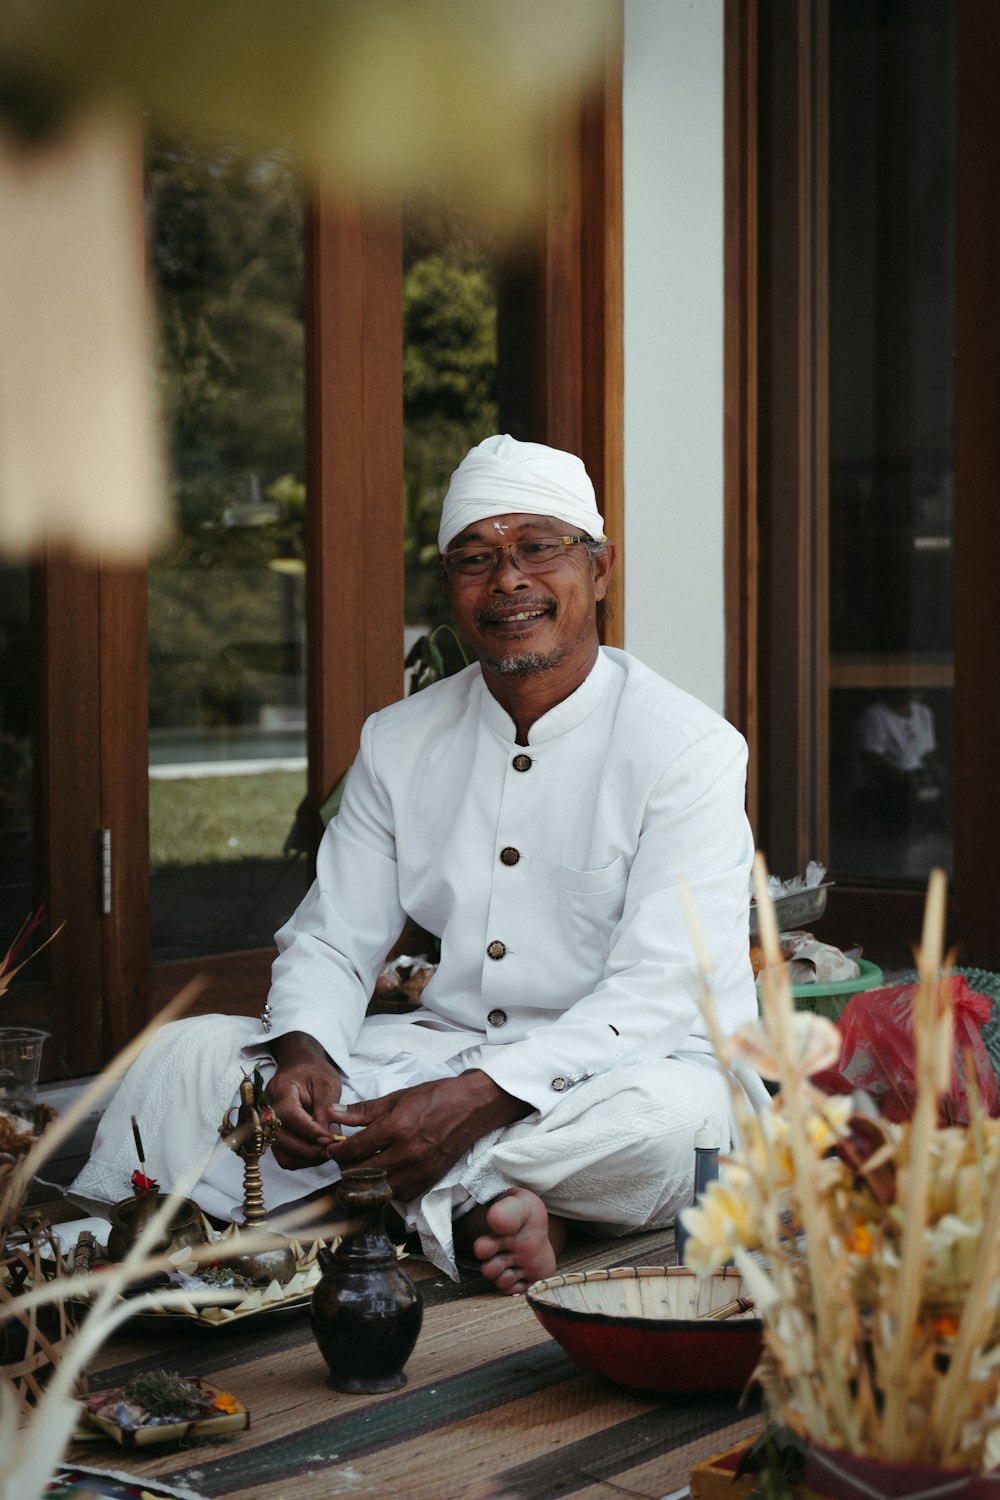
<point x="653" y="1327"/>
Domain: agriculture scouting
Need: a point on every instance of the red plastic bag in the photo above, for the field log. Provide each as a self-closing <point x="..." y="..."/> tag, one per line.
<point x="877" y="1053"/>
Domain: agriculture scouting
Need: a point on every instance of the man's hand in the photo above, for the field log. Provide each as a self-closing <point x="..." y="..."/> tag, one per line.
<point x="302" y="1093"/>
<point x="415" y="1135"/>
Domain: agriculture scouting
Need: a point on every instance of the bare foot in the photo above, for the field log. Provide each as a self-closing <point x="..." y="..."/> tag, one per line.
<point x="519" y="1242"/>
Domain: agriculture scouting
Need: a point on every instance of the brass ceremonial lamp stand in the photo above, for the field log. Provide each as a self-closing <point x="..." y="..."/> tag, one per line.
<point x="250" y="1135"/>
<point x="365" y="1311"/>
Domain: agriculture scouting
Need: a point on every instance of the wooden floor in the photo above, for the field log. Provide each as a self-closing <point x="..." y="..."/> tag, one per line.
<point x="492" y="1409"/>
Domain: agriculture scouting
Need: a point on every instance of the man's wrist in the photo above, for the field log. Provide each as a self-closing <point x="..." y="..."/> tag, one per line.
<point x="492" y="1103"/>
<point x="298" y="1046"/>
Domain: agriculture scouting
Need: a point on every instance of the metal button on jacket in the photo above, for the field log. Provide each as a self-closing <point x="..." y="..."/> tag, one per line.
<point x="521" y="762"/>
<point x="496" y="949"/>
<point x="509" y="856"/>
<point x="559" y="1084"/>
<point x="497" y="1018"/>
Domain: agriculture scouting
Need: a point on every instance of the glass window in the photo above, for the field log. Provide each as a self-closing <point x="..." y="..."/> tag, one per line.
<point x="891" y="435"/>
<point x="468" y="331"/>
<point x="227" y="727"/>
<point x="449" y="388"/>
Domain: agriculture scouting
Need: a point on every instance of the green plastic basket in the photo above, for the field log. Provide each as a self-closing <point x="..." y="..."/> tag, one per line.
<point x="829" y="999"/>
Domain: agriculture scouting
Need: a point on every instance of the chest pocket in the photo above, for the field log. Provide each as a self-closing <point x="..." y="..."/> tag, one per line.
<point x="591" y="903"/>
<point x="592" y="882"/>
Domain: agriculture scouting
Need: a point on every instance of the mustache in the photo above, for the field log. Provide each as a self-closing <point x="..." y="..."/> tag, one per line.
<point x="498" y="611"/>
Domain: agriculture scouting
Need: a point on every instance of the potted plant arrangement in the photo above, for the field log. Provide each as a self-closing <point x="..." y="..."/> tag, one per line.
<point x="871" y="1250"/>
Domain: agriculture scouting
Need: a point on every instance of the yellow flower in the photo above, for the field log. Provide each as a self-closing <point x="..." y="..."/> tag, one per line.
<point x="226" y="1403"/>
<point x="830" y="1122"/>
<point x="721" y="1221"/>
<point x="766" y="1150"/>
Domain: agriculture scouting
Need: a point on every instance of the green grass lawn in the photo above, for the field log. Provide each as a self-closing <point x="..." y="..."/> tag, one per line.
<point x="209" y="819"/>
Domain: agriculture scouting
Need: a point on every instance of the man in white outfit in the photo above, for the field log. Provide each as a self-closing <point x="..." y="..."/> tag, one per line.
<point x="536" y="812"/>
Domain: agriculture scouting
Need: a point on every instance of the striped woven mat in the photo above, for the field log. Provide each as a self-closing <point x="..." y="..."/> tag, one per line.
<point x="492" y="1409"/>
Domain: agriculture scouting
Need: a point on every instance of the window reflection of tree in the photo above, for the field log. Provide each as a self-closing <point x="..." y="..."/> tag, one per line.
<point x="449" y="382"/>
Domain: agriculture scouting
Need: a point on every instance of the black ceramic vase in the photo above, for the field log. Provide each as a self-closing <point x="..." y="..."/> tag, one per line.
<point x="366" y="1312"/>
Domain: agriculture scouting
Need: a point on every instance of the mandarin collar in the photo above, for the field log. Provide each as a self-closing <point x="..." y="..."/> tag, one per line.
<point x="564" y="716"/>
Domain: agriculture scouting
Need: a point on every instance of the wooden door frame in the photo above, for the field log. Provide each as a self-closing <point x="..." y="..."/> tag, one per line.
<point x="90" y="778"/>
<point x="354" y="382"/>
<point x="65" y="998"/>
<point x="776" y="418"/>
<point x="977" y="541"/>
<point x="124" y="757"/>
<point x="886" y="918"/>
<point x="581" y="302"/>
<point x="740" y="334"/>
<point x="776" y="440"/>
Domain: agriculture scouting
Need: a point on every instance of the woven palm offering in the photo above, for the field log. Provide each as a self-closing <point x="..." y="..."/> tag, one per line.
<point x="32" y="1338"/>
<point x="35" y="1431"/>
<point x="870" y="1248"/>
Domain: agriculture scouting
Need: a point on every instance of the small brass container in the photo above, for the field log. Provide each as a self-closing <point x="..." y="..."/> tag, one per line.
<point x="131" y="1215"/>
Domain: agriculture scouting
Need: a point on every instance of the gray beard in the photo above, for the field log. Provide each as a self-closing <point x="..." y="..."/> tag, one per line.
<point x="523" y="666"/>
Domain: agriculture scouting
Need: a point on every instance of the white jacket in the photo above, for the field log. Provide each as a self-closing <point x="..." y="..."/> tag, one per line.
<point x="561" y="858"/>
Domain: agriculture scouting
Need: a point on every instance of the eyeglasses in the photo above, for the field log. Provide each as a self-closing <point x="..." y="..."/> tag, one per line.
<point x="540" y="554"/>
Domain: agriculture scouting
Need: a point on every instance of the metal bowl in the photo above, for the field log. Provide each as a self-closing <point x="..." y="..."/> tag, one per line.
<point x="794" y="910"/>
<point x="647" y="1326"/>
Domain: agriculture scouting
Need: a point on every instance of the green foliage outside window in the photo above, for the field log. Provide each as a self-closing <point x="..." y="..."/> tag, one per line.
<point x="449" y="391"/>
<point x="225" y="236"/>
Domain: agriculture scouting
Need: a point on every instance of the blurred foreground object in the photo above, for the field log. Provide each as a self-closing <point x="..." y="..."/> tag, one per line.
<point x="871" y="1248"/>
<point x="394" y="97"/>
<point x="39" y="1375"/>
<point x="77" y="436"/>
<point x="401" y="99"/>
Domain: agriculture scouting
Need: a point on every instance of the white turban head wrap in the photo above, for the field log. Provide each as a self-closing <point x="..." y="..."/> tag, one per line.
<point x="502" y="476"/>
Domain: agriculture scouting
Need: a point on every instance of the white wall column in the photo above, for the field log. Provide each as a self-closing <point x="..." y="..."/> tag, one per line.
<point x="673" y="228"/>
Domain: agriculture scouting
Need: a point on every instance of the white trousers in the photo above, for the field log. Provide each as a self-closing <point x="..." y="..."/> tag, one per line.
<point x="616" y="1153"/>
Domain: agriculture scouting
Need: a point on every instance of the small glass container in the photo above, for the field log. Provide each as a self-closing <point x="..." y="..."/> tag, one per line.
<point x="20" y="1061"/>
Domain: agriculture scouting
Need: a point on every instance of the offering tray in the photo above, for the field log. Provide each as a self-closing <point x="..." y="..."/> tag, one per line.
<point x="254" y="1303"/>
<point x="257" y="1303"/>
<point x="95" y="1423"/>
